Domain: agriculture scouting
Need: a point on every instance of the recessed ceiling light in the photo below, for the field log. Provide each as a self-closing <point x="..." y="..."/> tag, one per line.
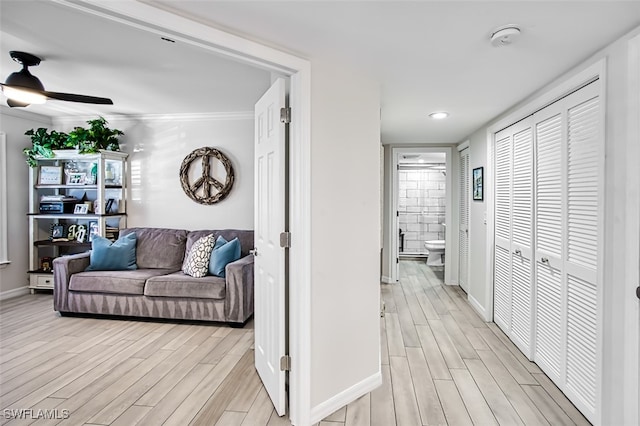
<point x="439" y="115"/>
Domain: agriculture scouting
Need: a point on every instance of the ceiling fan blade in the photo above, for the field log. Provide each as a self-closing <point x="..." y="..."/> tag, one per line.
<point x="71" y="97"/>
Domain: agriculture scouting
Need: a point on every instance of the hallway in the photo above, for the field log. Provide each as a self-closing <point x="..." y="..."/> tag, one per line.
<point x="442" y="364"/>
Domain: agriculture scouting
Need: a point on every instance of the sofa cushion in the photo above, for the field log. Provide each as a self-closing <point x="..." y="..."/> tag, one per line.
<point x="222" y="255"/>
<point x="118" y="255"/>
<point x="244" y="236"/>
<point x="197" y="262"/>
<point x="117" y="282"/>
<point x="159" y="247"/>
<point x="179" y="284"/>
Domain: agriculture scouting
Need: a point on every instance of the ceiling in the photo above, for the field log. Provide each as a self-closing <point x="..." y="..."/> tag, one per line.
<point x="428" y="55"/>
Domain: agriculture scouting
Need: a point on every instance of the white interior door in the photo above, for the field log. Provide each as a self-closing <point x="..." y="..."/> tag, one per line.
<point x="270" y="181"/>
<point x="463" y="258"/>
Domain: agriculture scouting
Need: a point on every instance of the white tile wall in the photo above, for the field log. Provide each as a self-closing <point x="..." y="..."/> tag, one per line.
<point x="421" y="201"/>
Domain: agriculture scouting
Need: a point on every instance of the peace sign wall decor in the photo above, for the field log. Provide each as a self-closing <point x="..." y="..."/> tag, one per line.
<point x="206" y="189"/>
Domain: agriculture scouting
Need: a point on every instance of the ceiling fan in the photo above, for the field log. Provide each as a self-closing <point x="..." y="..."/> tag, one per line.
<point x="23" y="88"/>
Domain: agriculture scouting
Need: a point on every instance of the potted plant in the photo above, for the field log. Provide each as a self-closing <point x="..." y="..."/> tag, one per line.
<point x="43" y="143"/>
<point x="95" y="138"/>
<point x="86" y="140"/>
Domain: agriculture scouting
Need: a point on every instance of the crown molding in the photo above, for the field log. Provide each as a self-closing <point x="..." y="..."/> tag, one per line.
<point x="181" y="117"/>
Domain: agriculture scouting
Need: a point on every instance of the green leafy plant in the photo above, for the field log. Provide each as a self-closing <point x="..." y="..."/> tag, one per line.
<point x="87" y="140"/>
<point x="43" y="143"/>
<point x="96" y="137"/>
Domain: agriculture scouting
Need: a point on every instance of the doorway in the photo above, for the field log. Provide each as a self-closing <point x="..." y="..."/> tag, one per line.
<point x="420" y="208"/>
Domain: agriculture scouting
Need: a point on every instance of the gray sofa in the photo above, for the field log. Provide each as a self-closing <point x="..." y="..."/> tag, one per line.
<point x="158" y="288"/>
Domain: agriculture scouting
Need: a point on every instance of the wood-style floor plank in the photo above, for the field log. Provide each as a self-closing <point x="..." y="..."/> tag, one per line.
<point x="441" y="364"/>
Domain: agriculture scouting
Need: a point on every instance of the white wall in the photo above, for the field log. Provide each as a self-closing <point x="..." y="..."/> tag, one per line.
<point x="156" y="148"/>
<point x="345" y="237"/>
<point x="616" y="171"/>
<point x="13" y="277"/>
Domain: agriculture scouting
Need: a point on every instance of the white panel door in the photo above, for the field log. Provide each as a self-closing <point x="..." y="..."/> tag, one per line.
<point x="269" y="312"/>
<point x="463" y="258"/>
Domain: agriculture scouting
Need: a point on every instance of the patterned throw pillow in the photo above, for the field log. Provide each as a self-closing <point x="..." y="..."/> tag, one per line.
<point x="197" y="262"/>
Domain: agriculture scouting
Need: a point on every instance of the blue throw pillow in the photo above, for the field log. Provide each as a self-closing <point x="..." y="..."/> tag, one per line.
<point x="113" y="256"/>
<point x="222" y="255"/>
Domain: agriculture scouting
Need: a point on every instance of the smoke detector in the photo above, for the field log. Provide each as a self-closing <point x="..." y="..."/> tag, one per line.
<point x="504" y="35"/>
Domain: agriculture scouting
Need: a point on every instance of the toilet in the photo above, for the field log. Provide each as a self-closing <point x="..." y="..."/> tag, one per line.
<point x="435" y="250"/>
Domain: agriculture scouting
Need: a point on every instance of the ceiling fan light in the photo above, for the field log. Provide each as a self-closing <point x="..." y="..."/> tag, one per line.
<point x="23" y="96"/>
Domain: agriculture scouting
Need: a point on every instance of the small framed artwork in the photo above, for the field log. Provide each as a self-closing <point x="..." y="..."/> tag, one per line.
<point x="45" y="264"/>
<point x="81" y="209"/>
<point x="50" y="175"/>
<point x="478" y="189"/>
<point x="74" y="178"/>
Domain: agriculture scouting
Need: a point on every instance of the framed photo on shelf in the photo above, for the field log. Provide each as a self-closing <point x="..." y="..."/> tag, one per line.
<point x="74" y="178"/>
<point x="81" y="209"/>
<point x="57" y="232"/>
<point x="45" y="264"/>
<point x="50" y="175"/>
<point x="93" y="230"/>
<point x="478" y="190"/>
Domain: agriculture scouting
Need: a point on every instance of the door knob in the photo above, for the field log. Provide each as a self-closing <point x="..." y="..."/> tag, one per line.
<point x="254" y="251"/>
<point x="518" y="252"/>
<point x="544" y="260"/>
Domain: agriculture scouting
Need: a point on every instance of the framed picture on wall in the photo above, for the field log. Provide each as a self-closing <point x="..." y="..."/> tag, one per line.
<point x="478" y="190"/>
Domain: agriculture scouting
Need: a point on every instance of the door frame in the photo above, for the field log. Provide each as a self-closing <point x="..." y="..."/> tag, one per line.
<point x="632" y="244"/>
<point x="393" y="208"/>
<point x="156" y="20"/>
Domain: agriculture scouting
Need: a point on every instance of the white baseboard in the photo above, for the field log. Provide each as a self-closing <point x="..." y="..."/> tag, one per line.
<point x="345" y="397"/>
<point x="386" y="280"/>
<point x="478" y="308"/>
<point x="20" y="291"/>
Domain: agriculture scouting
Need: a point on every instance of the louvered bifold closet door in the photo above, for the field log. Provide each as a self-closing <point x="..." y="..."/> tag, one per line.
<point x="521" y="237"/>
<point x="569" y="190"/>
<point x="585" y="154"/>
<point x="550" y="296"/>
<point x="513" y="238"/>
<point x="463" y="259"/>
<point x="502" y="259"/>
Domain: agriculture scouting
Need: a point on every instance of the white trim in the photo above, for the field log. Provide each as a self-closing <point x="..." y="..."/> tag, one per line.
<point x="393" y="208"/>
<point x="4" y="230"/>
<point x="464" y="145"/>
<point x="386" y="280"/>
<point x="632" y="249"/>
<point x="181" y="117"/>
<point x="150" y="18"/>
<point x="479" y="308"/>
<point x="14" y="292"/>
<point x="338" y="401"/>
<point x="27" y="115"/>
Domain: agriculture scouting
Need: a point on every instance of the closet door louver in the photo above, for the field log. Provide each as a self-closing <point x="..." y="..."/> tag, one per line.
<point x="568" y="237"/>
<point x="463" y="259"/>
<point x="549" y="320"/>
<point x="502" y="265"/>
<point x="584" y="180"/>
<point x="521" y="237"/>
<point x="513" y="254"/>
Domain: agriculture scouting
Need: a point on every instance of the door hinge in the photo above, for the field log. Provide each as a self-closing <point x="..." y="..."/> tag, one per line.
<point x="285" y="363"/>
<point x="397" y="260"/>
<point x="285" y="239"/>
<point x="285" y="115"/>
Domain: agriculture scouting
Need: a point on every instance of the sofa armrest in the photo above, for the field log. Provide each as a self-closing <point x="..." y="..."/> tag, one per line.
<point x="63" y="268"/>
<point x="238" y="304"/>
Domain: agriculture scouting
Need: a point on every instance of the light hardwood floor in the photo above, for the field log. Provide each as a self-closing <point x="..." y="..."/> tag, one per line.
<point x="441" y="364"/>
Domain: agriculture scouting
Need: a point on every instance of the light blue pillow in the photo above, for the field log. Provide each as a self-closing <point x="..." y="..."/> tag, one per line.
<point x="226" y="253"/>
<point x="119" y="255"/>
